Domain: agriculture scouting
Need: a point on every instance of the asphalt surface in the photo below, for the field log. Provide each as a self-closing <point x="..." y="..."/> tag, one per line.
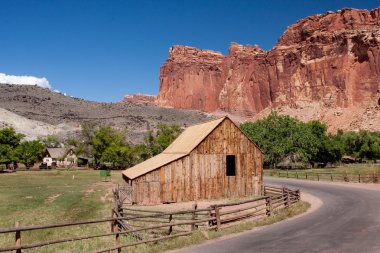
<point x="347" y="221"/>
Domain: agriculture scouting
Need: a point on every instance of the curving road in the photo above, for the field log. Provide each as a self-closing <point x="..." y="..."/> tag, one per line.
<point x="347" y="221"/>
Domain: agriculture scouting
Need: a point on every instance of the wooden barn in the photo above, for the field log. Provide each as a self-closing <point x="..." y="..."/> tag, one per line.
<point x="207" y="161"/>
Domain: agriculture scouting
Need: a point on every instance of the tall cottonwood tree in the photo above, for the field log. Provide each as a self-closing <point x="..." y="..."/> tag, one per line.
<point x="9" y="140"/>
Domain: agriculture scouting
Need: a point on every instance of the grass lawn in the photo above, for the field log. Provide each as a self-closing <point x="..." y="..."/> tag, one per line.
<point x="57" y="196"/>
<point x="50" y="197"/>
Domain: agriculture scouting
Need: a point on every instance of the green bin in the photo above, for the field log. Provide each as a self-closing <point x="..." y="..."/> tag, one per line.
<point x="105" y="173"/>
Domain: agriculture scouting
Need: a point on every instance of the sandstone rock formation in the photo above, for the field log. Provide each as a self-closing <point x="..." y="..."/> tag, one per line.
<point x="140" y="98"/>
<point x="321" y="66"/>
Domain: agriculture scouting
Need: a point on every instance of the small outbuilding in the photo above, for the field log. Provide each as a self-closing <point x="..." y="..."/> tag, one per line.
<point x="207" y="161"/>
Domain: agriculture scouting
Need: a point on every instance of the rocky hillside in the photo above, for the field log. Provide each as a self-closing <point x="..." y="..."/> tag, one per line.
<point x="324" y="67"/>
<point x="55" y="112"/>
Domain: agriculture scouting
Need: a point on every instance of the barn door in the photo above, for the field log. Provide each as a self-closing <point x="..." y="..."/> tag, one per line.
<point x="168" y="191"/>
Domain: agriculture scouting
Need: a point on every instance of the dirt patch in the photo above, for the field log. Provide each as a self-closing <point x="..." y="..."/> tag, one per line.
<point x="107" y="196"/>
<point x="51" y="198"/>
<point x="89" y="191"/>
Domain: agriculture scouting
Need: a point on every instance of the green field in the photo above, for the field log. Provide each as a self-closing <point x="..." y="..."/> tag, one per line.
<point x="50" y="197"/>
<point x="58" y="196"/>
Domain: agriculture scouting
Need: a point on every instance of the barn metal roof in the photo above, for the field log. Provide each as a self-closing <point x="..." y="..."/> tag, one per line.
<point x="182" y="146"/>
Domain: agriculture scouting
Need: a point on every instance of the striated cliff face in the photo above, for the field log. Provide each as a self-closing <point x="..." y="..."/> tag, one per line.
<point x="140" y="98"/>
<point x="191" y="78"/>
<point x="321" y="67"/>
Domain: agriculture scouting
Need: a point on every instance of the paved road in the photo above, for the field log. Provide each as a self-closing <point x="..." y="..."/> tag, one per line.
<point x="348" y="221"/>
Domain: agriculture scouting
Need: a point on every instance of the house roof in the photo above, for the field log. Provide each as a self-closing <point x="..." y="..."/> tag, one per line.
<point x="181" y="146"/>
<point x="57" y="152"/>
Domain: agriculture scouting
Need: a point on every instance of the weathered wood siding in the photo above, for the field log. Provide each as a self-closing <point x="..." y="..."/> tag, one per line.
<point x="202" y="174"/>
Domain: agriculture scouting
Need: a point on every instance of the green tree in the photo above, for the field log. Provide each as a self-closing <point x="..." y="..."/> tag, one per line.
<point x="83" y="142"/>
<point x="361" y="145"/>
<point x="328" y="148"/>
<point x="284" y="138"/>
<point x="119" y="156"/>
<point x="281" y="137"/>
<point x="29" y="152"/>
<point x="107" y="138"/>
<point x="9" y="140"/>
<point x="51" y="141"/>
<point x="159" y="140"/>
<point x="7" y="155"/>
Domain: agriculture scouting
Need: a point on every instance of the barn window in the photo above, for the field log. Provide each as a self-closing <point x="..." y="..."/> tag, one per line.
<point x="231" y="168"/>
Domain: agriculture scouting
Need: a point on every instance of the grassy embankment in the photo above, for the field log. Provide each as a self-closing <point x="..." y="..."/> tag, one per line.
<point x="201" y="236"/>
<point x="49" y="197"/>
<point x="353" y="169"/>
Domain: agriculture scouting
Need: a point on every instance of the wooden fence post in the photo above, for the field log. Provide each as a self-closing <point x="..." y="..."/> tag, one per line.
<point x="359" y="177"/>
<point x="112" y="221"/>
<point x="331" y="175"/>
<point x="212" y="215"/>
<point x="217" y="216"/>
<point x="297" y="174"/>
<point x="306" y="175"/>
<point x="115" y="224"/>
<point x="287" y="198"/>
<point x="18" y="237"/>
<point x="318" y="176"/>
<point x="194" y="217"/>
<point x="375" y="178"/>
<point x="345" y="177"/>
<point x="269" y="205"/>
<point x="170" y="221"/>
<point x="287" y="174"/>
<point x="115" y="228"/>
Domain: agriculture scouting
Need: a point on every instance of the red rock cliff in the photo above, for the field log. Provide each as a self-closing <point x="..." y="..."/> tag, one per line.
<point x="140" y="98"/>
<point x="323" y="62"/>
<point x="191" y="78"/>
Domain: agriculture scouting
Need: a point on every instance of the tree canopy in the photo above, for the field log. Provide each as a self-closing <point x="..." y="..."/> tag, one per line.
<point x="9" y="140"/>
<point x="109" y="146"/>
<point x="29" y="152"/>
<point x="285" y="138"/>
<point x="157" y="141"/>
<point x="51" y="141"/>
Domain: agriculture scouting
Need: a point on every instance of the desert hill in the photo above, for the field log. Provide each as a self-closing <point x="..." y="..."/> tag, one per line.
<point x="59" y="114"/>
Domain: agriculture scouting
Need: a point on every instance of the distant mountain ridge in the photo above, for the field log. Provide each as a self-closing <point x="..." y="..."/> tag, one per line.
<point x="57" y="112"/>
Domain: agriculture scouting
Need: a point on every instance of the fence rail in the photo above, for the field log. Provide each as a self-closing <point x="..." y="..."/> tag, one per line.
<point x="328" y="176"/>
<point x="150" y="225"/>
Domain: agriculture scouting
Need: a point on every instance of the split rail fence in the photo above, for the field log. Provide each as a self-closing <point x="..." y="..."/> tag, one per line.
<point x="333" y="177"/>
<point x="143" y="226"/>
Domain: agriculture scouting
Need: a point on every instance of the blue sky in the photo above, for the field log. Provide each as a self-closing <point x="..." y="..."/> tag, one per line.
<point x="102" y="50"/>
